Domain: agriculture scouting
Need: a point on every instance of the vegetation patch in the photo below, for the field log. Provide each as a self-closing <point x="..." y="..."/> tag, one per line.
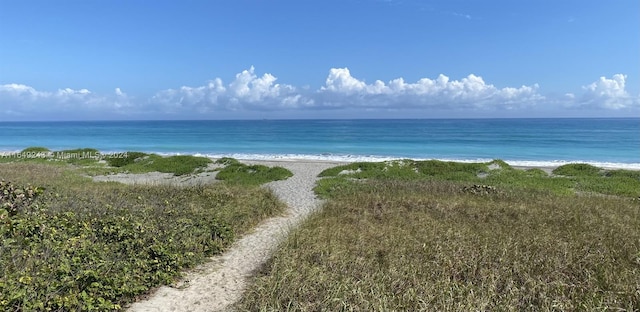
<point x="137" y="162"/>
<point x="80" y="246"/>
<point x="125" y="159"/>
<point x="80" y="151"/>
<point x="426" y="241"/>
<point x="577" y="170"/>
<point x="35" y="149"/>
<point x="89" y="160"/>
<point x="565" y="180"/>
<point x="237" y="173"/>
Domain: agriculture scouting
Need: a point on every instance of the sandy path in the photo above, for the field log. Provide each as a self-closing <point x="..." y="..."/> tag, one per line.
<point x="217" y="284"/>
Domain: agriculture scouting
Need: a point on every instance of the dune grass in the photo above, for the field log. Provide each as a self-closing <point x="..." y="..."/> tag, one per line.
<point x="86" y="246"/>
<point x="235" y="172"/>
<point x="407" y="236"/>
<point x="91" y="161"/>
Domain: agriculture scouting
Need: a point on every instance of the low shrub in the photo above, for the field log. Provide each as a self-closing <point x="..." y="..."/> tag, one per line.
<point x="35" y="149"/>
<point x="14" y="199"/>
<point x="227" y="161"/>
<point x="577" y="170"/>
<point x="80" y="151"/>
<point x="83" y="246"/>
<point x="179" y="165"/>
<point x="125" y="159"/>
<point x="238" y="173"/>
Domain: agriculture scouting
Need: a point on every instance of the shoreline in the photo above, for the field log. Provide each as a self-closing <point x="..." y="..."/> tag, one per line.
<point x="346" y="159"/>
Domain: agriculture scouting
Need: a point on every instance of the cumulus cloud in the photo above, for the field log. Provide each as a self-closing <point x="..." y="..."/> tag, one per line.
<point x="249" y="92"/>
<point x="246" y="91"/>
<point x="608" y="93"/>
<point x="471" y="91"/>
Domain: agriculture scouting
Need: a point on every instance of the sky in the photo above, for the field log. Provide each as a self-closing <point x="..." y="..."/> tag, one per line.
<point x="261" y="59"/>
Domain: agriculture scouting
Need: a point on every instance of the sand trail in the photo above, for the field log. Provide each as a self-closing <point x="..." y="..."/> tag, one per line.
<point x="219" y="283"/>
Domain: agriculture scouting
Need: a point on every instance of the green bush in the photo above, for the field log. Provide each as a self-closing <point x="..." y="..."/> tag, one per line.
<point x="15" y="199"/>
<point x="238" y="173"/>
<point x="227" y="161"/>
<point x="125" y="159"/>
<point x="577" y="170"/>
<point x="83" y="246"/>
<point x="80" y="151"/>
<point x="179" y="165"/>
<point x="137" y="162"/>
<point x="36" y="149"/>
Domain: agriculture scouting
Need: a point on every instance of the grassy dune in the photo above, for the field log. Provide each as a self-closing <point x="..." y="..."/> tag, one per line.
<point x="81" y="245"/>
<point x="434" y="236"/>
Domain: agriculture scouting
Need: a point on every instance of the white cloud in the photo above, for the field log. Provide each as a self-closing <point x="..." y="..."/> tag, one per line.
<point x="246" y="91"/>
<point x="340" y="80"/>
<point x="471" y="91"/>
<point x="608" y="93"/>
<point x="23" y="100"/>
<point x="250" y="93"/>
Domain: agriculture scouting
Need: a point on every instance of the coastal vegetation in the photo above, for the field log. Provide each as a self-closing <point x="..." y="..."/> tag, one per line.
<point x="93" y="162"/>
<point x="236" y="172"/>
<point x="396" y="235"/>
<point x="440" y="236"/>
<point x="68" y="243"/>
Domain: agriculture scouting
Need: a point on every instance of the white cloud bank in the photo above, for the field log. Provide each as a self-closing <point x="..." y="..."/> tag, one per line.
<point x="249" y="92"/>
<point x="470" y="92"/>
<point x="24" y="101"/>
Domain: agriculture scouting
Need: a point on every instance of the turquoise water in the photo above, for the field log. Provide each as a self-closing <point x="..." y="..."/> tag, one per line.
<point x="605" y="142"/>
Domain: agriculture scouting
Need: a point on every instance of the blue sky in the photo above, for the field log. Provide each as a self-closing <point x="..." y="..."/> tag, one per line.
<point x="134" y="59"/>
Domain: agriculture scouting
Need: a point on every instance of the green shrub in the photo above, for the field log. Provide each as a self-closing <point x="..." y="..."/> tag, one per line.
<point x="357" y="169"/>
<point x="227" y="161"/>
<point x="238" y="173"/>
<point x="80" y="151"/>
<point x="179" y="165"/>
<point x="631" y="174"/>
<point x="15" y="199"/>
<point x="125" y="159"/>
<point x="577" y="170"/>
<point x="448" y="169"/>
<point x="36" y="149"/>
<point x="333" y="186"/>
<point x="84" y="246"/>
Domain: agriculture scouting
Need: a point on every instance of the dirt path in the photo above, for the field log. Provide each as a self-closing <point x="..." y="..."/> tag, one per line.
<point x="217" y="284"/>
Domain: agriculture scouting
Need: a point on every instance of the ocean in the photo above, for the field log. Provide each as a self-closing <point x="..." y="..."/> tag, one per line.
<point x="526" y="142"/>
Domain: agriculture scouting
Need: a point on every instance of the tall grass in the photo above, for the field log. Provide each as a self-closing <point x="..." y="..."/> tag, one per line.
<point x="423" y="244"/>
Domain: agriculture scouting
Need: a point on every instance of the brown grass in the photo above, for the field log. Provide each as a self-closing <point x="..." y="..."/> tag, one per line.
<point x="427" y="246"/>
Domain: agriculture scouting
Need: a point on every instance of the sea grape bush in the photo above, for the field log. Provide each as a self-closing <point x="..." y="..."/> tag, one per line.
<point x="98" y="261"/>
<point x="13" y="199"/>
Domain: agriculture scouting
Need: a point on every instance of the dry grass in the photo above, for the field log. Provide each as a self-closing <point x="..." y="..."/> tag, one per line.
<point x="392" y="245"/>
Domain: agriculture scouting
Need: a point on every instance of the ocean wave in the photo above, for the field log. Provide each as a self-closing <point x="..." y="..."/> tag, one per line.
<point x="376" y="158"/>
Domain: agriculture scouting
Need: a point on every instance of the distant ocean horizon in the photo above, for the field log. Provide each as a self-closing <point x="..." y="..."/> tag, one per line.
<point x="605" y="142"/>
